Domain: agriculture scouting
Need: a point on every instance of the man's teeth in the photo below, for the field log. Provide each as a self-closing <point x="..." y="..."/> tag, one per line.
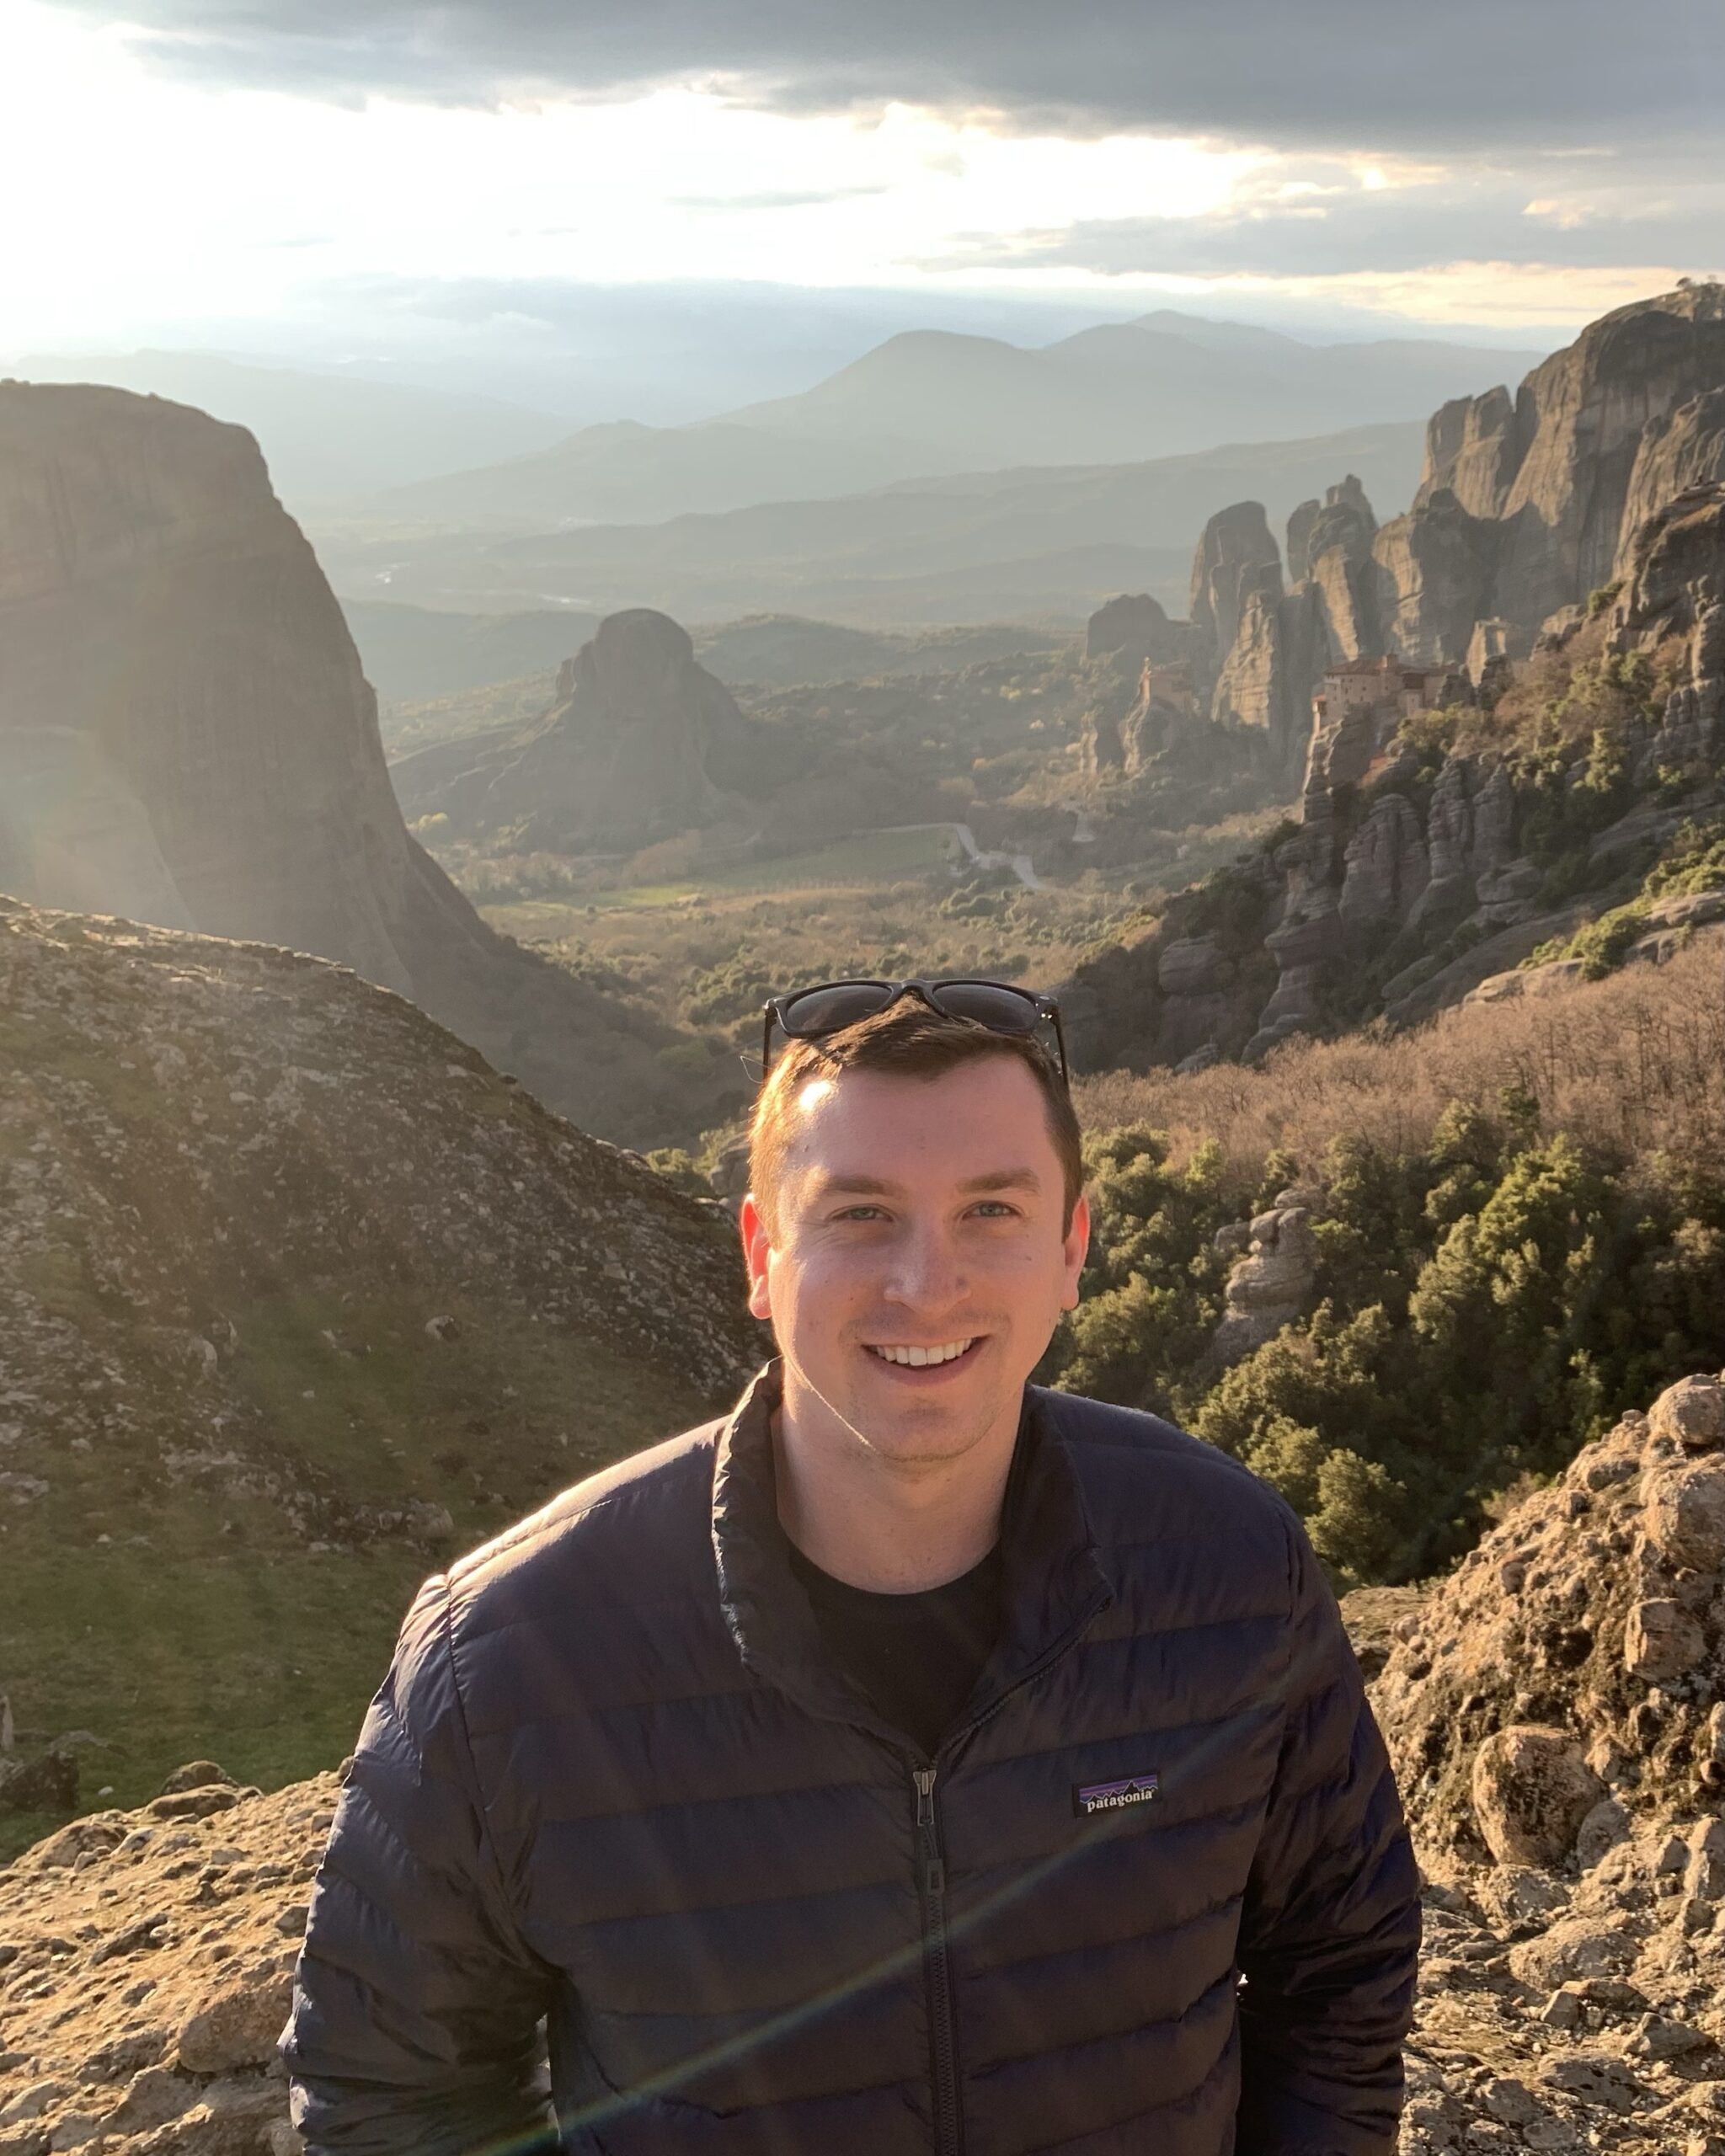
<point x="917" y="1357"/>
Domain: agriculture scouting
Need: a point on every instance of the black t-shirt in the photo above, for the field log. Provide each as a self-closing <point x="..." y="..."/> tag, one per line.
<point x="915" y="1657"/>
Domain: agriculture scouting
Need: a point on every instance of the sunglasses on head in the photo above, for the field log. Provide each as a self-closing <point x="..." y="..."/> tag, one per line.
<point x="809" y="1014"/>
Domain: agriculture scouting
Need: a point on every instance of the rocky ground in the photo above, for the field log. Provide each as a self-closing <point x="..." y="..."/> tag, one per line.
<point x="1550" y="1710"/>
<point x="1552" y="1714"/>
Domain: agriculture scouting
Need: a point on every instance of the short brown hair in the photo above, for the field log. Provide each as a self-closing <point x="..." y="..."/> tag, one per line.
<point x="907" y="1039"/>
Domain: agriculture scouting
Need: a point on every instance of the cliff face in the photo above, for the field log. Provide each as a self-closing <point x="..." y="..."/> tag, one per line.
<point x="186" y="736"/>
<point x="1411" y="882"/>
<point x="1526" y="508"/>
<point x="642" y="743"/>
<point x="1234" y="554"/>
<point x="159" y="604"/>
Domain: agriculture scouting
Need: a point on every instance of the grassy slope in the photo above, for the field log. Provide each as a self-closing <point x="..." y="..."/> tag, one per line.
<point x="235" y="1186"/>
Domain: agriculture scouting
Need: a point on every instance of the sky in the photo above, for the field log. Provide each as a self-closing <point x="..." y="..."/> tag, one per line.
<point x="270" y="172"/>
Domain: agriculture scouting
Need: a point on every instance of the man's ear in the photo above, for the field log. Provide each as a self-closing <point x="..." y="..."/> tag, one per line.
<point x="756" y="1243"/>
<point x="1076" y="1247"/>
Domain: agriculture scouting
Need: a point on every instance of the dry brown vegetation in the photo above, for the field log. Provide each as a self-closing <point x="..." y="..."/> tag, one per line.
<point x="1634" y="1062"/>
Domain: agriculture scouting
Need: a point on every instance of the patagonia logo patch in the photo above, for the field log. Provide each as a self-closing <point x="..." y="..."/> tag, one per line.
<point x="1114" y="1796"/>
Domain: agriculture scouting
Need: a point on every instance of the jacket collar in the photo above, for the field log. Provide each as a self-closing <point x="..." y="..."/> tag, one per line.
<point x="1053" y="1583"/>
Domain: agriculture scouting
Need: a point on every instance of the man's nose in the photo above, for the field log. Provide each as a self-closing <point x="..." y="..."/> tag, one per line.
<point x="926" y="1269"/>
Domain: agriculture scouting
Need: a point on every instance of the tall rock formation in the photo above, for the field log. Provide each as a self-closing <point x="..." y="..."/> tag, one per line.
<point x="1267" y="671"/>
<point x="1339" y="566"/>
<point x="1434" y="579"/>
<point x="1471" y="449"/>
<point x="1404" y="889"/>
<point x="1300" y="521"/>
<point x="642" y="743"/>
<point x="185" y="733"/>
<point x="1683" y="449"/>
<point x="1236" y="549"/>
<point x="1674" y="590"/>
<point x="1527" y="507"/>
<point x="1135" y="628"/>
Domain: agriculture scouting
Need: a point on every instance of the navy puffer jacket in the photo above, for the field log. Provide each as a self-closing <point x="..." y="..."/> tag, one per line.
<point x="614" y="1782"/>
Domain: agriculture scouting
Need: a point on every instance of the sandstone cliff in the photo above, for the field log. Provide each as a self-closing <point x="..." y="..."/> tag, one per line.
<point x="185" y="735"/>
<point x="1527" y="507"/>
<point x="1234" y="551"/>
<point x="1261" y="646"/>
<point x="1416" y="877"/>
<point x="641" y="743"/>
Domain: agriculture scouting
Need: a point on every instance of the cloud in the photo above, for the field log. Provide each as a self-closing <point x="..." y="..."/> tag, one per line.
<point x="786" y="198"/>
<point x="1296" y="227"/>
<point x="1385" y="73"/>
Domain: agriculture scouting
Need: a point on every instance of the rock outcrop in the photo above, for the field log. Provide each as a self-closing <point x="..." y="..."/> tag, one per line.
<point x="1234" y="553"/>
<point x="641" y="743"/>
<point x="1135" y="629"/>
<point x="1566" y="1683"/>
<point x="294" y="1288"/>
<point x="1273" y="1282"/>
<point x="1267" y="672"/>
<point x="185" y="735"/>
<point x="1528" y="507"/>
<point x="1553" y="1712"/>
<point x="1404" y="890"/>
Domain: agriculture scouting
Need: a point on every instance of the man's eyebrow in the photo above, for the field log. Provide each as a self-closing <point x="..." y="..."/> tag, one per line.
<point x="1004" y="1179"/>
<point x="861" y="1186"/>
<point x="828" y="1186"/>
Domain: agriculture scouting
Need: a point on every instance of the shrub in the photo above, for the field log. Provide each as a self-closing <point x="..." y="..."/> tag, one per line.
<point x="1522" y="1234"/>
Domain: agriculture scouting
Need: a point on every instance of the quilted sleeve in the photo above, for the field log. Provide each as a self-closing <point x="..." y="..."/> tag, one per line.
<point x="1329" y="1938"/>
<point x="416" y="2005"/>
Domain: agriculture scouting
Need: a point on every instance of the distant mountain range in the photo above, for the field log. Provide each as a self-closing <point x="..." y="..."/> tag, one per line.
<point x="931" y="401"/>
<point x="1033" y="544"/>
<point x="324" y="435"/>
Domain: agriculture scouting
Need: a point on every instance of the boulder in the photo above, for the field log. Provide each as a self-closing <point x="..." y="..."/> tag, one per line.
<point x="1662" y="1643"/>
<point x="1692" y="1413"/>
<point x="1575" y="1948"/>
<point x="1532" y="1788"/>
<point x="196" y="1774"/>
<point x="1270" y="1287"/>
<point x="238" y="2027"/>
<point x="1684" y="1516"/>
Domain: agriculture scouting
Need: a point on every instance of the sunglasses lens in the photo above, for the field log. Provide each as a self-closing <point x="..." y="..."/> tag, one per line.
<point x="1002" y="1009"/>
<point x="819" y="1010"/>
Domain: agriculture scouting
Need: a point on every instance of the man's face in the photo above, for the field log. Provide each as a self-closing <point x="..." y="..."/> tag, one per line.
<point x="915" y="1213"/>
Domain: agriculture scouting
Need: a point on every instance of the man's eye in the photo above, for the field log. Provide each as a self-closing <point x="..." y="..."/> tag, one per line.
<point x="997" y="1208"/>
<point x="860" y="1212"/>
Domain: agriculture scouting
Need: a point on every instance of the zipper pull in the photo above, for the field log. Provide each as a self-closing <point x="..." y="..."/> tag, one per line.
<point x="934" y="1870"/>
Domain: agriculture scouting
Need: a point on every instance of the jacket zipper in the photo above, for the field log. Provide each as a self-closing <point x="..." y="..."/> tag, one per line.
<point x="948" y="2131"/>
<point x="947" y="2138"/>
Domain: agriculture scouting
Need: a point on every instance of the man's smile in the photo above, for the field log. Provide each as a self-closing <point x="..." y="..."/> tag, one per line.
<point x="948" y="1356"/>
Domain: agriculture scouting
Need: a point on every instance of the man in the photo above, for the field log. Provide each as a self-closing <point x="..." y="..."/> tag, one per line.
<point x="913" y="1761"/>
